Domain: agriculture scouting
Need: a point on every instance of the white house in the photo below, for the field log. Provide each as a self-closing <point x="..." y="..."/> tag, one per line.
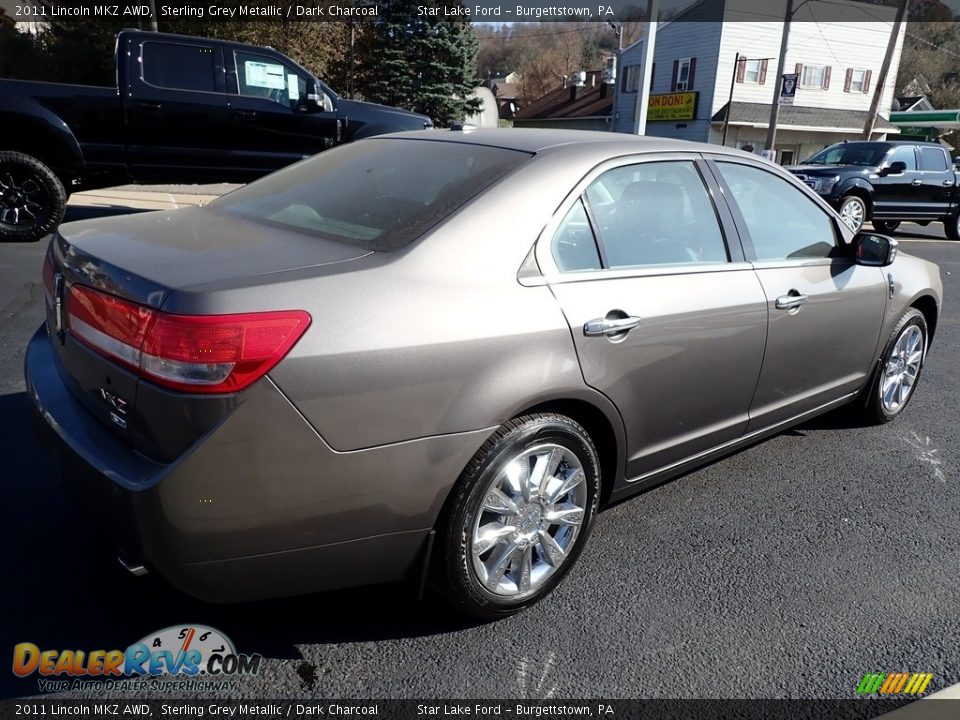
<point x="836" y="47"/>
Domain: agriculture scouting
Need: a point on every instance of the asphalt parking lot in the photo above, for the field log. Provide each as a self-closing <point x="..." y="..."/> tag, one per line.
<point x="788" y="570"/>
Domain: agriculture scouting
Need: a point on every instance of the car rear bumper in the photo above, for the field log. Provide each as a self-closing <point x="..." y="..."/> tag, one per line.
<point x="259" y="507"/>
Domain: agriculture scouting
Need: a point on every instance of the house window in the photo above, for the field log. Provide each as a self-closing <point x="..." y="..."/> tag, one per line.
<point x="813" y="76"/>
<point x="857" y="81"/>
<point x="751" y="71"/>
<point x="683" y="74"/>
<point x="857" y="78"/>
<point x="631" y="79"/>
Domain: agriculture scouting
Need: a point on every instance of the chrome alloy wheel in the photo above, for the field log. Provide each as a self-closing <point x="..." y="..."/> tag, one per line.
<point x="531" y="515"/>
<point x="852" y="213"/>
<point x="901" y="369"/>
<point x="18" y="205"/>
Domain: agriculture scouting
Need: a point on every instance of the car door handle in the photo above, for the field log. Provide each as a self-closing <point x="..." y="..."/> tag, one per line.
<point x="149" y="107"/>
<point x="918" y="181"/>
<point x="245" y="114"/>
<point x="947" y="183"/>
<point x="790" y="301"/>
<point x="610" y="326"/>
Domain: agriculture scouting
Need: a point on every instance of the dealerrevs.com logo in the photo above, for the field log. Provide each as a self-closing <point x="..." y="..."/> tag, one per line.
<point x="182" y="650"/>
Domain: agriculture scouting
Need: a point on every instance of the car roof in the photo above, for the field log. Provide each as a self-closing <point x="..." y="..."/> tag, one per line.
<point x="535" y="140"/>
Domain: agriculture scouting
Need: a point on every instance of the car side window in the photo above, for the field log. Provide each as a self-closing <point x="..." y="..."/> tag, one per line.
<point x="904" y="154"/>
<point x="656" y="213"/>
<point x="783" y="223"/>
<point x="932" y="159"/>
<point x="573" y="246"/>
<point x="178" y="67"/>
<point x="264" y="77"/>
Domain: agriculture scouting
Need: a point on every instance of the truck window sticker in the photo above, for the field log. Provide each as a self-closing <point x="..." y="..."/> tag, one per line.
<point x="264" y="75"/>
<point x="293" y="87"/>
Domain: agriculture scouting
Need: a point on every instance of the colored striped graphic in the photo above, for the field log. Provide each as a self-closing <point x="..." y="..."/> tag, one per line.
<point x="894" y="683"/>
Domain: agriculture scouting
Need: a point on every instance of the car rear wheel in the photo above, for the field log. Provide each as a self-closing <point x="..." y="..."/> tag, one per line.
<point x="952" y="227"/>
<point x="32" y="198"/>
<point x="885" y="226"/>
<point x="853" y="212"/>
<point x="900" y="366"/>
<point x="519" y="516"/>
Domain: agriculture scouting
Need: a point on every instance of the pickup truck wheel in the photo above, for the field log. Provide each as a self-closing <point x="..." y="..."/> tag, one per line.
<point x="952" y="227"/>
<point x="32" y="198"/>
<point x="853" y="212"/>
<point x="885" y="226"/>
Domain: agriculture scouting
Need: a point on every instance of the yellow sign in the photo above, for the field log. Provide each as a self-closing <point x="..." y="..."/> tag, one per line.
<point x="672" y="106"/>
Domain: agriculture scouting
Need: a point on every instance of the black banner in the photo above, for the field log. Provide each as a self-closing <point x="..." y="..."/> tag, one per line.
<point x="495" y="11"/>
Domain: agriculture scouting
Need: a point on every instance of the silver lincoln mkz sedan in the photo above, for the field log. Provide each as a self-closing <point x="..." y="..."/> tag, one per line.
<point x="442" y="352"/>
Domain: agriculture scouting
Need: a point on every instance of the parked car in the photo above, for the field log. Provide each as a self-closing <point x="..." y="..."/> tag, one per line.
<point x="886" y="183"/>
<point x="336" y="376"/>
<point x="185" y="110"/>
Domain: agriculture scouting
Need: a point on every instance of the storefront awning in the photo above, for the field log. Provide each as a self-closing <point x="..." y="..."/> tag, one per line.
<point x="799" y="117"/>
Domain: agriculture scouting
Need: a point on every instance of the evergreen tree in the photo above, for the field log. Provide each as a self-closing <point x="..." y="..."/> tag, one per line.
<point x="424" y="64"/>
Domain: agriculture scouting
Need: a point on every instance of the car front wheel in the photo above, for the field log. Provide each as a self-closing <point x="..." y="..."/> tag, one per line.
<point x="853" y="212"/>
<point x="519" y="516"/>
<point x="900" y="366"/>
<point x="32" y="198"/>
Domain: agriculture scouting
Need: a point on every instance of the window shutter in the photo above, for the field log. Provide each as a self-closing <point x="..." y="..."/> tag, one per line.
<point x="826" y="77"/>
<point x="741" y="69"/>
<point x="866" y="81"/>
<point x="763" y="71"/>
<point x="847" y="80"/>
<point x="676" y="71"/>
<point x="690" y="74"/>
<point x="799" y="71"/>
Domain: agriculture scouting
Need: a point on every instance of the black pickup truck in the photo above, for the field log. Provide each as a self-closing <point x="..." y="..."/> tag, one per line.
<point x="886" y="183"/>
<point x="185" y="110"/>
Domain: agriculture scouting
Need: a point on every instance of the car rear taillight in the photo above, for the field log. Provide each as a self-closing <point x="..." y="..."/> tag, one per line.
<point x="193" y="353"/>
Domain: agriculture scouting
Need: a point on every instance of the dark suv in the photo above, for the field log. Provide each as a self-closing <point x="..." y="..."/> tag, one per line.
<point x="886" y="183"/>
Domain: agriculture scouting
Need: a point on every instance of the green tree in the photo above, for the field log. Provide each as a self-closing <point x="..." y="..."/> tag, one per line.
<point x="424" y="64"/>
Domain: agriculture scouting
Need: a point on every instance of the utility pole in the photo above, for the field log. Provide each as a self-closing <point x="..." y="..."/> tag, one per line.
<point x="884" y="69"/>
<point x="726" y="117"/>
<point x="153" y="16"/>
<point x="643" y="92"/>
<point x="775" y="108"/>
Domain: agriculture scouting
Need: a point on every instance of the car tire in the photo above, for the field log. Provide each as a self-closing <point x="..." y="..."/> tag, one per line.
<point x="501" y="550"/>
<point x="952" y="227"/>
<point x="885" y="226"/>
<point x="887" y="397"/>
<point x="853" y="212"/>
<point x="32" y="198"/>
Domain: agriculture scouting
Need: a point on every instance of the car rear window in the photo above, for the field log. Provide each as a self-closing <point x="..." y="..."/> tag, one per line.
<point x="377" y="194"/>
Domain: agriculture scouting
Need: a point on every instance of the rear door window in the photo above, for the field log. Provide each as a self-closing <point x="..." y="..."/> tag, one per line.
<point x="377" y="194"/>
<point x="178" y="67"/>
<point x="932" y="159"/>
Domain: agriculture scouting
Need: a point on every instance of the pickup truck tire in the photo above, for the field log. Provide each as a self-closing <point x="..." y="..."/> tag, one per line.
<point x="952" y="227"/>
<point x="885" y="226"/>
<point x="32" y="198"/>
<point x="853" y="212"/>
